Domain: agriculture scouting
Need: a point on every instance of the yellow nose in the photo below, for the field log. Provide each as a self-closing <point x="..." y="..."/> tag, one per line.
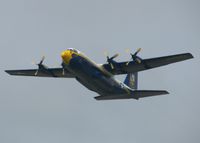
<point x="66" y="56"/>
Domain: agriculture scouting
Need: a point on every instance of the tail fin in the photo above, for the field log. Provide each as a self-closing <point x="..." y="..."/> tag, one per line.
<point x="132" y="80"/>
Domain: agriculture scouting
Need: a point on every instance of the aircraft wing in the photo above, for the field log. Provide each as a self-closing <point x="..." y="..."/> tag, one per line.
<point x="132" y="67"/>
<point x="50" y="72"/>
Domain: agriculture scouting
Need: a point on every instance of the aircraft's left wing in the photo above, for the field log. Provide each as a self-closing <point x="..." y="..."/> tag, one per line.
<point x="50" y="72"/>
<point x="132" y="67"/>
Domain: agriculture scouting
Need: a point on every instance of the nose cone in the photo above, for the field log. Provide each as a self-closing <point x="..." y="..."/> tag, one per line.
<point x="66" y="56"/>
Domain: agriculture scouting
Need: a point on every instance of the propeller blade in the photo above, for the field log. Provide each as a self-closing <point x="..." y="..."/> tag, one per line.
<point x="138" y="60"/>
<point x="36" y="73"/>
<point x="128" y="63"/>
<point x="135" y="57"/>
<point x="34" y="63"/>
<point x="39" y="65"/>
<point x="127" y="50"/>
<point x="138" y="50"/>
<point x="115" y="56"/>
<point x="42" y="60"/>
<point x="63" y="68"/>
<point x="63" y="72"/>
<point x="105" y="53"/>
<point x="107" y="58"/>
<point x="112" y="66"/>
<point x="110" y="59"/>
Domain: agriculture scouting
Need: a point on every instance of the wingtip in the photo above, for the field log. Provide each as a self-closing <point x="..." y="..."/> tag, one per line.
<point x="96" y="98"/>
<point x="190" y="56"/>
<point x="166" y="92"/>
<point x="6" y="71"/>
<point x="163" y="92"/>
<point x="99" y="98"/>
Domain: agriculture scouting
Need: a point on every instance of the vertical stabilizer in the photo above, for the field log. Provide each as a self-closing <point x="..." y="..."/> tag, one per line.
<point x="132" y="80"/>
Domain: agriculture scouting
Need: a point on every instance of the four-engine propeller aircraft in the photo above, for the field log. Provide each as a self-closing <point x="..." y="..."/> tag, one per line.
<point x="100" y="77"/>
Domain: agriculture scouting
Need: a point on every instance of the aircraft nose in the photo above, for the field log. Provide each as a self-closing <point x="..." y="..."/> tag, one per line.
<point x="66" y="56"/>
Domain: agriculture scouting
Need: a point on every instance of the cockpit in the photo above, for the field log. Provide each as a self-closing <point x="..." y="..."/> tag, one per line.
<point x="73" y="50"/>
<point x="68" y="54"/>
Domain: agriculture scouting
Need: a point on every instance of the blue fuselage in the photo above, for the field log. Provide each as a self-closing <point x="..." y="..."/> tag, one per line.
<point x="94" y="78"/>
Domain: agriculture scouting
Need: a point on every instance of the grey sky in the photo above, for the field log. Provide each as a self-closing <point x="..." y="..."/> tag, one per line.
<point x="61" y="110"/>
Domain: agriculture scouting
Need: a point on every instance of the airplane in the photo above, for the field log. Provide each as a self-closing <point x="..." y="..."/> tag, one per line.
<point x="100" y="77"/>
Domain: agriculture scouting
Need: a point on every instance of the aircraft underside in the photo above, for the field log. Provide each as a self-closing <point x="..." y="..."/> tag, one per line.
<point x="107" y="87"/>
<point x="91" y="77"/>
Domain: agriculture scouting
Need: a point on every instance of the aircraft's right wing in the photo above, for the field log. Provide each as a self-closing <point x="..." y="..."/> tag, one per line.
<point x="50" y="72"/>
<point x="133" y="67"/>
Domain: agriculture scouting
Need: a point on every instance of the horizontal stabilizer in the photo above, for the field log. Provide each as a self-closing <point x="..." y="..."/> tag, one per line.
<point x="112" y="97"/>
<point x="134" y="95"/>
<point x="146" y="93"/>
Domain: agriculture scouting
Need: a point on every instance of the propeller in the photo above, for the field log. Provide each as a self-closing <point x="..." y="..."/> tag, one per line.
<point x="63" y="69"/>
<point x="40" y="65"/>
<point x="135" y="57"/>
<point x="111" y="61"/>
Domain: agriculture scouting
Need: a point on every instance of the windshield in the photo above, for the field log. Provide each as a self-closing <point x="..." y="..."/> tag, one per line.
<point x="73" y="50"/>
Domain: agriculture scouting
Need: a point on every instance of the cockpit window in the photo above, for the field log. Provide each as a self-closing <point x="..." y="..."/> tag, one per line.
<point x="73" y="50"/>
